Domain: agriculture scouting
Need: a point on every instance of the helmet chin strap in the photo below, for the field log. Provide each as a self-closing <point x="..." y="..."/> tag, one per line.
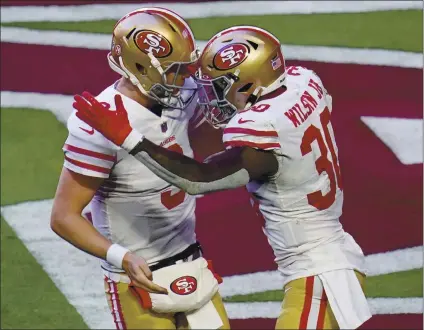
<point x="262" y="91"/>
<point x="115" y="67"/>
<point x="253" y="97"/>
<point x="156" y="64"/>
<point x="171" y="100"/>
<point x="123" y="71"/>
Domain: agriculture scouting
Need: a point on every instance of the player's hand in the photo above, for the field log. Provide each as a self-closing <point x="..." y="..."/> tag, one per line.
<point x="140" y="274"/>
<point x="113" y="124"/>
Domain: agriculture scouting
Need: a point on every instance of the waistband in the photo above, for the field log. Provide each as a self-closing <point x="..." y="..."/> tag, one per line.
<point x="192" y="252"/>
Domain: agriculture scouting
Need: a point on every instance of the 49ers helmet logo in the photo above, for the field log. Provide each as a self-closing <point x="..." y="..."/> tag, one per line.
<point x="152" y="42"/>
<point x="230" y="56"/>
<point x="184" y="285"/>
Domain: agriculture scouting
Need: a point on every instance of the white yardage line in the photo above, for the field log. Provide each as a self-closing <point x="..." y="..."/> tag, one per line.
<point x="394" y="261"/>
<point x="197" y="10"/>
<point x="403" y="136"/>
<point x="59" y="105"/>
<point x="56" y="38"/>
<point x="305" y="53"/>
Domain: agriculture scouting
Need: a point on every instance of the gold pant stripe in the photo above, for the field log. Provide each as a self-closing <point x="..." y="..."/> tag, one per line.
<point x="305" y="305"/>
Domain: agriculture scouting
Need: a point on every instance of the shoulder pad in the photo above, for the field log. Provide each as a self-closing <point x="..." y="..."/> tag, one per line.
<point x="252" y="129"/>
<point x="84" y="132"/>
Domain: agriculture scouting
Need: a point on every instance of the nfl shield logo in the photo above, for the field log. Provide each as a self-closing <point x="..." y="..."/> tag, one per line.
<point x="164" y="127"/>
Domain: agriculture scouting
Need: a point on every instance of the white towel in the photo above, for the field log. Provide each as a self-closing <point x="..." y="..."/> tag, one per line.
<point x="206" y="317"/>
<point x="346" y="298"/>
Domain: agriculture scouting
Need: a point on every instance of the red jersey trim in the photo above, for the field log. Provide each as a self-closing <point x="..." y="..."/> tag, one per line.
<point x="88" y="166"/>
<point x="233" y="143"/>
<point x="249" y="131"/>
<point x="90" y="153"/>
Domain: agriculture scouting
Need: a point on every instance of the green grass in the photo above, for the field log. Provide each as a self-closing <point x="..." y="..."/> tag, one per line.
<point x="400" y="285"/>
<point x="397" y="29"/>
<point x="31" y="143"/>
<point x="29" y="298"/>
<point x="31" y="160"/>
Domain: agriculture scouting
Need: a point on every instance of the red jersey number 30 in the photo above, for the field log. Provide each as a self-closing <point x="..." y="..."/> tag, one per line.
<point x="322" y="164"/>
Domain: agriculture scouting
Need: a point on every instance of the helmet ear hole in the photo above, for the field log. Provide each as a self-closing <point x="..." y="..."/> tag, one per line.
<point x="129" y="34"/>
<point x="141" y="69"/>
<point x="245" y="88"/>
<point x="172" y="28"/>
<point x="253" y="44"/>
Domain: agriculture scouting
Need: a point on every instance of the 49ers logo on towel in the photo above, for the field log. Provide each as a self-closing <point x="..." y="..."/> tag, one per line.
<point x="230" y="56"/>
<point x="152" y="42"/>
<point x="184" y="285"/>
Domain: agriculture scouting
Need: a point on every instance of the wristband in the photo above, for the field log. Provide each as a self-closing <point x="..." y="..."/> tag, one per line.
<point x="132" y="140"/>
<point x="115" y="255"/>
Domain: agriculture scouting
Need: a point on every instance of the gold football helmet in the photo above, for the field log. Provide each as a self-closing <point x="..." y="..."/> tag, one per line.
<point x="154" y="48"/>
<point x="237" y="66"/>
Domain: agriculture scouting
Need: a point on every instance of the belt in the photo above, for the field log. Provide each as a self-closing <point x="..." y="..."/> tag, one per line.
<point x="193" y="252"/>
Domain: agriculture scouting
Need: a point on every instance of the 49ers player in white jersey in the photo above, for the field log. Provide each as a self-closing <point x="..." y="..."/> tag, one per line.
<point x="280" y="143"/>
<point x="142" y="223"/>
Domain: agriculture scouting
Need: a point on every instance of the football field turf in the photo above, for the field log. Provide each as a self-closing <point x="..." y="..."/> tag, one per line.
<point x="383" y="203"/>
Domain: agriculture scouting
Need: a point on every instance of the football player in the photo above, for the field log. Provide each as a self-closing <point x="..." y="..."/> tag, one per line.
<point x="280" y="143"/>
<point x="143" y="225"/>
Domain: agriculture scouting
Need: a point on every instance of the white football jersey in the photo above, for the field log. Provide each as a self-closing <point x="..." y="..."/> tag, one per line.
<point x="303" y="201"/>
<point x="133" y="207"/>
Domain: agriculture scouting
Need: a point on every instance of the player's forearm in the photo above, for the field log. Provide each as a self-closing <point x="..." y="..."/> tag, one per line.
<point x="188" y="174"/>
<point x="80" y="233"/>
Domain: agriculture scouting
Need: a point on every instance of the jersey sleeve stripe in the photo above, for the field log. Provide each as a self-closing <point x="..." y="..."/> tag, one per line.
<point x="235" y="143"/>
<point x="88" y="166"/>
<point x="86" y="152"/>
<point x="249" y="131"/>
